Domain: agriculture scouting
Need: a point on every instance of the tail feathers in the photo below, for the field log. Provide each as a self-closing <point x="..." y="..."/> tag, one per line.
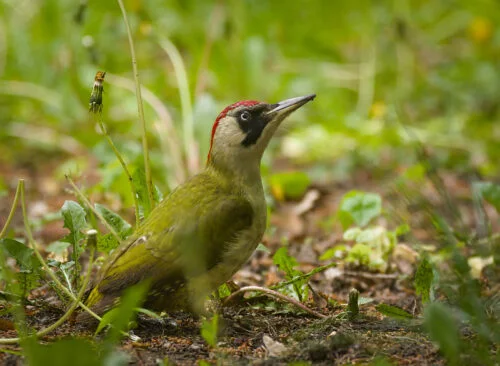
<point x="99" y="304"/>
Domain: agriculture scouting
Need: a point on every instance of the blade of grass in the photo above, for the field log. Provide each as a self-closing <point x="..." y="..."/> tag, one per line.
<point x="140" y="106"/>
<point x="166" y="130"/>
<point x="186" y="106"/>
<point x="12" y="210"/>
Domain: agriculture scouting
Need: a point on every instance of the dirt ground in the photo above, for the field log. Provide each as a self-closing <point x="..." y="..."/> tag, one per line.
<point x="260" y="331"/>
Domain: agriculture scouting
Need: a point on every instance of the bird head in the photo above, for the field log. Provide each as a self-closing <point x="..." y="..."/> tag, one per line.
<point x="242" y="130"/>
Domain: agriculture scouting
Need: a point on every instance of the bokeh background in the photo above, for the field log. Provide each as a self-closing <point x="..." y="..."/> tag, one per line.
<point x="390" y="76"/>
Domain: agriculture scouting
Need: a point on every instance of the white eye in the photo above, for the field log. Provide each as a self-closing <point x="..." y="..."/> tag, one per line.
<point x="245" y="116"/>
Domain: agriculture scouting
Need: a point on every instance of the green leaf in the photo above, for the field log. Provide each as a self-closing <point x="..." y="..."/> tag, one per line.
<point x="23" y="255"/>
<point x="285" y="262"/>
<point x="57" y="247"/>
<point x="106" y="243"/>
<point x="361" y="207"/>
<point x="223" y="291"/>
<point x="74" y="220"/>
<point x="291" y="185"/>
<point x="262" y="248"/>
<point x="393" y="312"/>
<point x="490" y="192"/>
<point x="364" y="300"/>
<point x="423" y="279"/>
<point x="120" y="316"/>
<point x="139" y="179"/>
<point x="122" y="227"/>
<point x="70" y="351"/>
<point x="443" y="329"/>
<point x="332" y="252"/>
<point x="209" y="330"/>
<point x="149" y="313"/>
<point x="360" y="254"/>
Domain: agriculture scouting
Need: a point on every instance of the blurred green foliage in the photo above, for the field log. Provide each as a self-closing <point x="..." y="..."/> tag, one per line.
<point x="387" y="73"/>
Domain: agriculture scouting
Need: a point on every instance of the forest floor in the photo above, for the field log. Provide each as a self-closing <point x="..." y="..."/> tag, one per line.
<point x="260" y="330"/>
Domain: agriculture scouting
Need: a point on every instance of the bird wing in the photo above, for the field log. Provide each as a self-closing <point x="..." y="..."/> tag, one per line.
<point x="192" y="241"/>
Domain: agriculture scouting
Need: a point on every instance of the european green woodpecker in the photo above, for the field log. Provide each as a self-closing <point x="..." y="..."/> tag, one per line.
<point x="208" y="227"/>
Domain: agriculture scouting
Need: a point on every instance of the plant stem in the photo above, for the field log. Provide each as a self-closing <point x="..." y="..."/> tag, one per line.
<point x="275" y="294"/>
<point x="89" y="205"/>
<point x="147" y="168"/>
<point x="304" y="276"/>
<point x="124" y="166"/>
<point x="170" y="142"/>
<point x="12" y="210"/>
<point x="91" y="237"/>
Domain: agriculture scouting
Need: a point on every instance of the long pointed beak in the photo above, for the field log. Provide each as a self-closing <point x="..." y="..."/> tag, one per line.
<point x="289" y="105"/>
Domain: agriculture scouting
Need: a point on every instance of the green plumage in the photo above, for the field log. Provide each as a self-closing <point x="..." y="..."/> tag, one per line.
<point x="183" y="246"/>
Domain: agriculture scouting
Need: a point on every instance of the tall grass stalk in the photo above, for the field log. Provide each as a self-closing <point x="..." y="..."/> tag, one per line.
<point x="140" y="107"/>
<point x="190" y="147"/>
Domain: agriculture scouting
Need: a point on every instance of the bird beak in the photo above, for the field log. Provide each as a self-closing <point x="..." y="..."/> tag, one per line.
<point x="287" y="106"/>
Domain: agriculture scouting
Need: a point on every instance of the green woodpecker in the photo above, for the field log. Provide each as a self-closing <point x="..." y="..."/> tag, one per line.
<point x="208" y="227"/>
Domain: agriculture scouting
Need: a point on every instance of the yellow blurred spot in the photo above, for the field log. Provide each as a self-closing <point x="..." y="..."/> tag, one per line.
<point x="480" y="29"/>
<point x="277" y="191"/>
<point x="378" y="110"/>
<point x="145" y="28"/>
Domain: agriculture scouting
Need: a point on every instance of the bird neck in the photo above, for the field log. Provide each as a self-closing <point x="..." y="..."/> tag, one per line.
<point x="241" y="169"/>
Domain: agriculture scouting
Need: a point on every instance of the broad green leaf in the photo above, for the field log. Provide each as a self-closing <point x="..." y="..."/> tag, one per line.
<point x="393" y="312"/>
<point x="352" y="234"/>
<point x="362" y="207"/>
<point x="291" y="185"/>
<point x="57" y="247"/>
<point x="423" y="279"/>
<point x="69" y="351"/>
<point x="122" y="227"/>
<point x="209" y="330"/>
<point x="443" y="329"/>
<point x="74" y="220"/>
<point x="23" y="255"/>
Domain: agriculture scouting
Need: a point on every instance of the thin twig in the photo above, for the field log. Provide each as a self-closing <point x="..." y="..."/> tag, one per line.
<point x="275" y="294"/>
<point x="12" y="210"/>
<point x="140" y="106"/>
<point x="87" y="203"/>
